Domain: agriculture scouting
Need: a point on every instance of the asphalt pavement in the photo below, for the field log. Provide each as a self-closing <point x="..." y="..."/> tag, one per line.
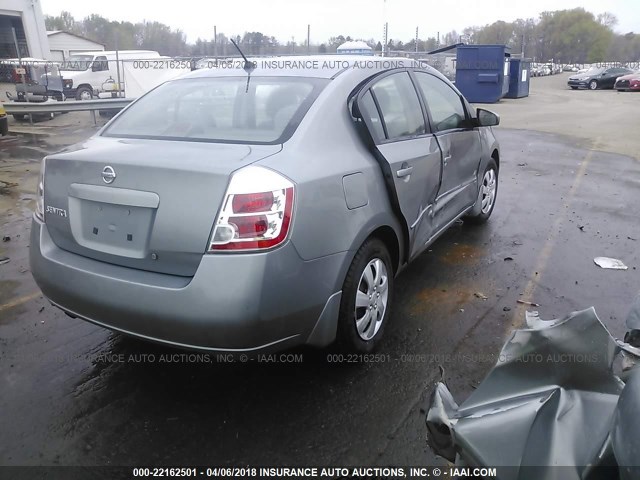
<point x="75" y="394"/>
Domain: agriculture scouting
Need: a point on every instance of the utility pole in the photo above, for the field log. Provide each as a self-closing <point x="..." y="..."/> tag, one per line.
<point x="384" y="41"/>
<point x="308" y="38"/>
<point x="215" y="42"/>
<point x="120" y="87"/>
<point x="416" y="39"/>
<point x="386" y="28"/>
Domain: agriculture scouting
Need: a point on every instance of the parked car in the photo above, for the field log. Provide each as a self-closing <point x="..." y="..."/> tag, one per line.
<point x="224" y="211"/>
<point x="541" y="70"/>
<point x="595" y="78"/>
<point x="628" y="82"/>
<point x="4" y="121"/>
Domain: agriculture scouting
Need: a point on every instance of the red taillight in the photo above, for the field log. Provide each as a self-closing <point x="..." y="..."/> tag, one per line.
<point x="258" y="219"/>
<point x="252" y="202"/>
<point x="250" y="226"/>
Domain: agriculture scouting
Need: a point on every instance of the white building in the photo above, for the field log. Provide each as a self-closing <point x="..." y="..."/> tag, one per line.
<point x="62" y="44"/>
<point x="22" y="30"/>
<point x="355" y="48"/>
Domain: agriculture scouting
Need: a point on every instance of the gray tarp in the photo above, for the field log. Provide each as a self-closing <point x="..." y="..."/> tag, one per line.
<point x="556" y="397"/>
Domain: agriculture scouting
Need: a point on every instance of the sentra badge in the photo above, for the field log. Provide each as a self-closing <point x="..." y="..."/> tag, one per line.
<point x="61" y="212"/>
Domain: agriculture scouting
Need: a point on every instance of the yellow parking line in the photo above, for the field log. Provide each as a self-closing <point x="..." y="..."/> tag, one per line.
<point x="545" y="254"/>
<point x="19" y="301"/>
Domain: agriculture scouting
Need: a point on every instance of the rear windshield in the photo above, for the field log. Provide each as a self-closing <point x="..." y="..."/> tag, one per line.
<point x="258" y="110"/>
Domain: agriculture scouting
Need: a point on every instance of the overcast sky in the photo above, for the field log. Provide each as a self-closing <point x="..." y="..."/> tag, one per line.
<point x="285" y="19"/>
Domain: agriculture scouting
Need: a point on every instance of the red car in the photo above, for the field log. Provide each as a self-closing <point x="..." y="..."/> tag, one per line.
<point x="628" y="82"/>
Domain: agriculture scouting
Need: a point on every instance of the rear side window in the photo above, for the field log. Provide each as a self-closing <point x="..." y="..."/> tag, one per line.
<point x="266" y="110"/>
<point x="374" y="116"/>
<point x="443" y="103"/>
<point x="399" y="106"/>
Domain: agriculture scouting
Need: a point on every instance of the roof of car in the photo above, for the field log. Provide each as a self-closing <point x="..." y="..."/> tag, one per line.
<point x="316" y="66"/>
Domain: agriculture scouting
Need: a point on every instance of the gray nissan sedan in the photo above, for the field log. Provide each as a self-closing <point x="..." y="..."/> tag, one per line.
<point x="256" y="209"/>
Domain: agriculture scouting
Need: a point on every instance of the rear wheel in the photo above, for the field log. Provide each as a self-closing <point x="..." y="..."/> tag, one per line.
<point x="487" y="195"/>
<point x="593" y="85"/>
<point x="366" y="298"/>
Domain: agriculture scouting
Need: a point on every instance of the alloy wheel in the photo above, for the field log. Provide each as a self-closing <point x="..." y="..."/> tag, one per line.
<point x="489" y="188"/>
<point x="371" y="299"/>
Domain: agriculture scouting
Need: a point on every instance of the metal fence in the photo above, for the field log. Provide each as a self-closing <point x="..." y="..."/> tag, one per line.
<point x="34" y="108"/>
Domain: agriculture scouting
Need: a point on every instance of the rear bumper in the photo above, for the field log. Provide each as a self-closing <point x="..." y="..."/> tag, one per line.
<point x="234" y="303"/>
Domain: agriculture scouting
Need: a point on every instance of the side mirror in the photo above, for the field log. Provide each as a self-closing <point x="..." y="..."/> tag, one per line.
<point x="487" y="118"/>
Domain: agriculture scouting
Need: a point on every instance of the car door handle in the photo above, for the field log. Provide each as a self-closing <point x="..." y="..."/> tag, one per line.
<point x="446" y="159"/>
<point x="404" y="172"/>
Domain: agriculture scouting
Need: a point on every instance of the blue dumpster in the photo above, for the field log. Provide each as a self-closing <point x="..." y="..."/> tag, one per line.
<point x="482" y="72"/>
<point x="519" y="74"/>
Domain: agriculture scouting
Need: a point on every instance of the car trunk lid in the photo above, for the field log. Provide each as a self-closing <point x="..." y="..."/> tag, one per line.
<point x="143" y="204"/>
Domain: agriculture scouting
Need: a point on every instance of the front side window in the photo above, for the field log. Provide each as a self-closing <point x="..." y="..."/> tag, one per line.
<point x="444" y="104"/>
<point x="220" y="109"/>
<point x="100" y="64"/>
<point x="399" y="106"/>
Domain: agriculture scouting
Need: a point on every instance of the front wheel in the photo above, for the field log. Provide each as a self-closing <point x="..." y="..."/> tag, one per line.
<point x="487" y="195"/>
<point x="367" y="294"/>
<point x="84" y="93"/>
<point x="593" y="85"/>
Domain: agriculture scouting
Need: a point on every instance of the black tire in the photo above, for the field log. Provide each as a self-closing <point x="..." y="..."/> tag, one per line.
<point x="348" y="339"/>
<point x="593" y="85"/>
<point x="82" y="90"/>
<point x="482" y="217"/>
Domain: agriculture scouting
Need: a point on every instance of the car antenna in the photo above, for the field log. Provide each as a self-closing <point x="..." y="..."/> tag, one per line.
<point x="248" y="66"/>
